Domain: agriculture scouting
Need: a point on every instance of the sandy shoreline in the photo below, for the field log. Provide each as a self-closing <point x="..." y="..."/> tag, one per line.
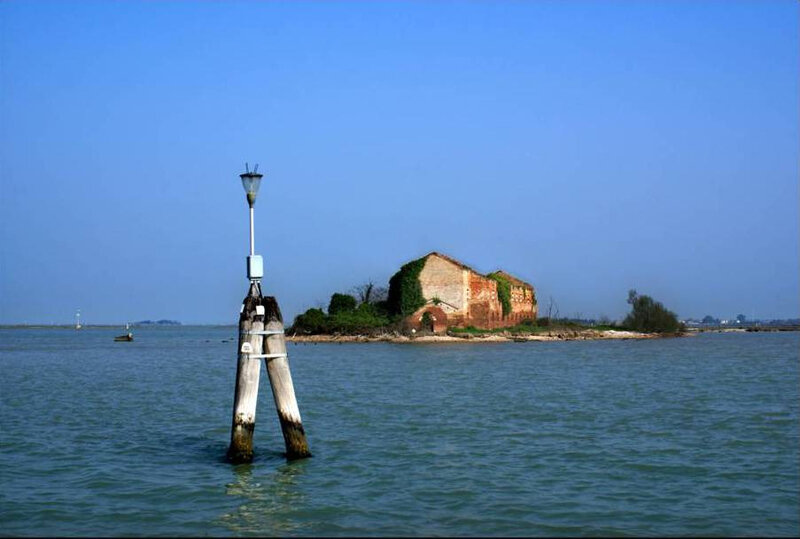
<point x="555" y="335"/>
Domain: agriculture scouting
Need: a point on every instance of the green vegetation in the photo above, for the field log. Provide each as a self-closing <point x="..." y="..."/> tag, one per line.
<point x="427" y="320"/>
<point x="405" y="292"/>
<point x="341" y="303"/>
<point x="380" y="311"/>
<point x="533" y="327"/>
<point x="343" y="317"/>
<point x="364" y="319"/>
<point x="503" y="291"/>
<point x="313" y="322"/>
<point x="650" y="316"/>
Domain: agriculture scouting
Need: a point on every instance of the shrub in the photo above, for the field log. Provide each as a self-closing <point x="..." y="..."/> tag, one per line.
<point x="543" y="322"/>
<point x="356" y="321"/>
<point x="341" y="303"/>
<point x="650" y="315"/>
<point x="365" y="319"/>
<point x="468" y="329"/>
<point x="427" y="321"/>
<point x="312" y="321"/>
<point x="381" y="308"/>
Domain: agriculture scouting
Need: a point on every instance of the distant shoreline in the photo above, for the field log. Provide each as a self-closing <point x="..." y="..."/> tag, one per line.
<point x="555" y="335"/>
<point x="749" y="329"/>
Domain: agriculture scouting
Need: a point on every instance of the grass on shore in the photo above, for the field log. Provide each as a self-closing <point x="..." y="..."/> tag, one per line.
<point x="528" y="328"/>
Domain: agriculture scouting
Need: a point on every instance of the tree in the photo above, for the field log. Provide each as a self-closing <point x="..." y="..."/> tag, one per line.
<point x="341" y="303"/>
<point x="369" y="293"/>
<point x="379" y="294"/>
<point x="552" y="309"/>
<point x="741" y="318"/>
<point x="363" y="292"/>
<point x="632" y="295"/>
<point x="650" y="315"/>
<point x="312" y="321"/>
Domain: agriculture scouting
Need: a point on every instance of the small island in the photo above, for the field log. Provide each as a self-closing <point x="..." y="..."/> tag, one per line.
<point x="157" y="323"/>
<point x="437" y="298"/>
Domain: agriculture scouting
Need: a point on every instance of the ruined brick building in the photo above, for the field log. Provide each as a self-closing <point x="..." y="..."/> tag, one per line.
<point x="455" y="295"/>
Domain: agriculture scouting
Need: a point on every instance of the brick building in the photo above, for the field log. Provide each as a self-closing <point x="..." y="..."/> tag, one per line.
<point x="458" y="296"/>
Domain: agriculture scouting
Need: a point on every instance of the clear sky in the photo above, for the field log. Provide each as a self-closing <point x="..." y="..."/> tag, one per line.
<point x="587" y="147"/>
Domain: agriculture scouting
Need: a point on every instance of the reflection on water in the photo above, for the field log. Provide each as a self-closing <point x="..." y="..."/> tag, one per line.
<point x="270" y="499"/>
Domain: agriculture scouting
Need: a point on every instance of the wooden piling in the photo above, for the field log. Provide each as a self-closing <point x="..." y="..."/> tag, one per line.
<point x="280" y="378"/>
<point x="248" y="370"/>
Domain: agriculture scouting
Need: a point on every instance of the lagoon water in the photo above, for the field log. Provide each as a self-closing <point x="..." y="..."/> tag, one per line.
<point x="692" y="436"/>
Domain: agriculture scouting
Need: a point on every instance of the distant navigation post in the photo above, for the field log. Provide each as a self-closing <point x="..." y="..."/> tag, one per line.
<point x="261" y="337"/>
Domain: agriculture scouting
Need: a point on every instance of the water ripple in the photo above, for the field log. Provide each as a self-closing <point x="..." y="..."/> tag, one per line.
<point x="671" y="437"/>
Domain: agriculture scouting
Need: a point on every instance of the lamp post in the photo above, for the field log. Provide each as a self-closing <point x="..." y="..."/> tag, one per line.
<point x="261" y="337"/>
<point x="251" y="181"/>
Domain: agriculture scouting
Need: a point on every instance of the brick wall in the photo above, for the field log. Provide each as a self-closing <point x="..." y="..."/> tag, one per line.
<point x="444" y="280"/>
<point x="468" y="298"/>
<point x="522" y="306"/>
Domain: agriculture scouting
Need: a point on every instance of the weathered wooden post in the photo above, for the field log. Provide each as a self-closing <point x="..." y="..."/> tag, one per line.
<point x="281" y="381"/>
<point x="248" y="371"/>
<point x="258" y="341"/>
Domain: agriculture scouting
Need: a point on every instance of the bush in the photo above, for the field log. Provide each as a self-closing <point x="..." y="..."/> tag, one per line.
<point x="341" y="303"/>
<point x="651" y="316"/>
<point x="312" y="321"/>
<point x="361" y="320"/>
<point x="365" y="319"/>
<point x="469" y="329"/>
<point x="381" y="308"/>
<point x="427" y="321"/>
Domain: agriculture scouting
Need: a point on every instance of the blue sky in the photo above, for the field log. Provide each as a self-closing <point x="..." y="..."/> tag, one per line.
<point x="587" y="147"/>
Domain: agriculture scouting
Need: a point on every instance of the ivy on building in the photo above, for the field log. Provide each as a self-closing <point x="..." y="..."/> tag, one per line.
<point x="503" y="292"/>
<point x="405" y="290"/>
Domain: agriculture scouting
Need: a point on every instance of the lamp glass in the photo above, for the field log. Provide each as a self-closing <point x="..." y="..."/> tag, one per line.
<point x="251" y="182"/>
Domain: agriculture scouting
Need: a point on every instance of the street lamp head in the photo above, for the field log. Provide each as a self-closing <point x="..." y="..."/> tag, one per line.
<point x="251" y="182"/>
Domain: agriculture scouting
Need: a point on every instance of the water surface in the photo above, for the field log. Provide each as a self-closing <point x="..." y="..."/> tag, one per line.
<point x="692" y="436"/>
